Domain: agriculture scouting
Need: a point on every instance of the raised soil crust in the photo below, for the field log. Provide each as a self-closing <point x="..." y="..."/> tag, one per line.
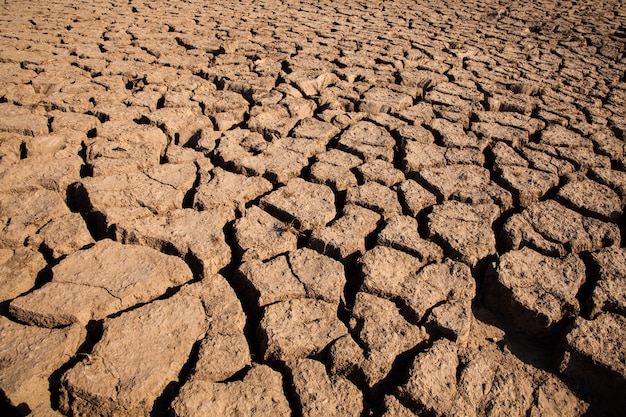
<point x="329" y="208"/>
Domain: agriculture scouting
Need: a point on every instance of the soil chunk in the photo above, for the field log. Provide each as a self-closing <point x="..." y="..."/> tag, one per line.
<point x="555" y="230"/>
<point x="464" y="230"/>
<point x="593" y="353"/>
<point x="99" y="281"/>
<point x="260" y="393"/>
<point x="298" y="328"/>
<point x="322" y="395"/>
<point x="140" y="353"/>
<point x="28" y="355"/>
<point x="308" y="205"/>
<point x="535" y="292"/>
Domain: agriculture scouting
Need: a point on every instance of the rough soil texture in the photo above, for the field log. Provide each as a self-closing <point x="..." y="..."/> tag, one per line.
<point x="333" y="208"/>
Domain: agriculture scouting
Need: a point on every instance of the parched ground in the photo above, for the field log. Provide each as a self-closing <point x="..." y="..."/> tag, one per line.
<point x="324" y="208"/>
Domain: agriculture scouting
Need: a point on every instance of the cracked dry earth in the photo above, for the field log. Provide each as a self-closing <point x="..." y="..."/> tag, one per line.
<point x="346" y="208"/>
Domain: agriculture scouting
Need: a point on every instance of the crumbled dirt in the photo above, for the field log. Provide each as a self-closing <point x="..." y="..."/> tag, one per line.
<point x="346" y="208"/>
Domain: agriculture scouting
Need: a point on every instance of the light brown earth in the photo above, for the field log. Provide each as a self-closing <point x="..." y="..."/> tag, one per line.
<point x="324" y="208"/>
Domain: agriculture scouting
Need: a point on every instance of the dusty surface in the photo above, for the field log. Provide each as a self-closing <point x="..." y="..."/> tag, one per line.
<point x="345" y="208"/>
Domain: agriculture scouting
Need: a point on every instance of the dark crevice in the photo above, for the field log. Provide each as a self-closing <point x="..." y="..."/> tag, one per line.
<point x="480" y="269"/>
<point x="422" y="222"/>
<point x="289" y="389"/>
<point x="184" y="44"/>
<point x="8" y="410"/>
<point x="592" y="275"/>
<point x="396" y="376"/>
<point x="403" y="377"/>
<point x="354" y="279"/>
<point x="370" y="240"/>
<point x="253" y="313"/>
<point x="43" y="277"/>
<point x="428" y="186"/>
<point x="169" y="293"/>
<point x="97" y="225"/>
<point x="195" y="265"/>
<point x="143" y="120"/>
<point x="502" y="245"/>
<point x="162" y="403"/>
<point x="622" y="228"/>
<point x="23" y="151"/>
<point x="95" y="330"/>
<point x="552" y="192"/>
<point x="160" y="103"/>
<point x="190" y="195"/>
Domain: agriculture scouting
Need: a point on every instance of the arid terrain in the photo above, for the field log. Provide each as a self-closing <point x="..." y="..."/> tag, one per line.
<point x="312" y="208"/>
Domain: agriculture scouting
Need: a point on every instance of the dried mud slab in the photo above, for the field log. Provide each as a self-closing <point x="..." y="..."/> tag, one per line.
<point x="527" y="185"/>
<point x="379" y="328"/>
<point x="99" y="281"/>
<point x="376" y="197"/>
<point x="63" y="236"/>
<point x="591" y="199"/>
<point x="260" y="393"/>
<point x="333" y="168"/>
<point x="555" y="230"/>
<point x="437" y="366"/>
<point x="23" y="214"/>
<point x="139" y="354"/>
<point x="330" y="208"/>
<point x="28" y="356"/>
<point x="295" y="329"/>
<point x="323" y="277"/>
<point x="54" y="172"/>
<point x="533" y="291"/>
<point x="195" y="236"/>
<point x="367" y="141"/>
<point x="464" y="230"/>
<point x="401" y="233"/>
<point x="414" y="198"/>
<point x="261" y="236"/>
<point x="322" y="395"/>
<point x="381" y="172"/>
<point x="609" y="292"/>
<point x="307" y="205"/>
<point x="346" y="236"/>
<point x="125" y="147"/>
<point x="396" y="276"/>
<point x="19" y="269"/>
<point x="224" y="351"/>
<point x="266" y="283"/>
<point x="466" y="183"/>
<point x="227" y="189"/>
<point x="592" y="352"/>
<point x="135" y="189"/>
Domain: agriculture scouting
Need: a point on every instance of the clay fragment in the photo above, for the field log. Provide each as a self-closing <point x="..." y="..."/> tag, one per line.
<point x="298" y="328"/>
<point x="593" y="353"/>
<point x="464" y="230"/>
<point x="260" y="393"/>
<point x="345" y="236"/>
<point x="321" y="395"/>
<point x="609" y="292"/>
<point x="535" y="292"/>
<point x="96" y="282"/>
<point x="307" y="205"/>
<point x="28" y="355"/>
<point x="140" y="352"/>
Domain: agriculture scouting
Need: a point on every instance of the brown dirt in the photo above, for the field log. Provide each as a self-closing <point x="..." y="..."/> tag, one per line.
<point x="334" y="208"/>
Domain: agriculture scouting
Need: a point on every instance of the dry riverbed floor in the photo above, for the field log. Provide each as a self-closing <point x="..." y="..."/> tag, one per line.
<point x="322" y="208"/>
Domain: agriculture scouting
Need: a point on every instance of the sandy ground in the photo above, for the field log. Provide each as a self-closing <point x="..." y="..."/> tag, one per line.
<point x="346" y="208"/>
